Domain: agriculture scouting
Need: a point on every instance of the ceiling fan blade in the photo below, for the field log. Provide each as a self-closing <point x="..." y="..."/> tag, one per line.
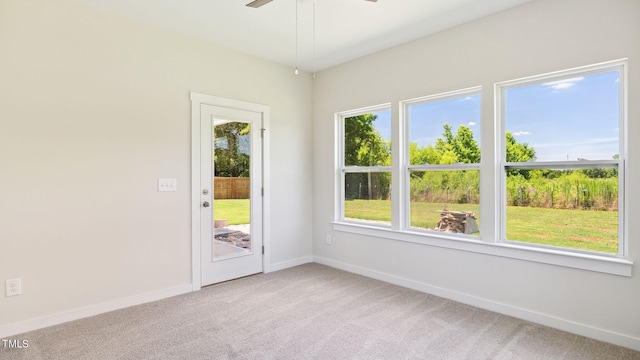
<point x="258" y="3"/>
<point x="372" y="0"/>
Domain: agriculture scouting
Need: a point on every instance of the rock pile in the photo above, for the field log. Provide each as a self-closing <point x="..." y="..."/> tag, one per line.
<point x="237" y="238"/>
<point x="457" y="222"/>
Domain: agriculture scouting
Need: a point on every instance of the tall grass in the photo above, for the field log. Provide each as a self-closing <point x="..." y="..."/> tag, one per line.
<point x="566" y="190"/>
<point x="569" y="191"/>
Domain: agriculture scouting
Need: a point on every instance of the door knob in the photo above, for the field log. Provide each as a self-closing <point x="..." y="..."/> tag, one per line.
<point x="205" y="204"/>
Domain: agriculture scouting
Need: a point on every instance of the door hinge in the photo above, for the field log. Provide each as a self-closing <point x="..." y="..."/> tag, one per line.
<point x="262" y="191"/>
<point x="262" y="133"/>
<point x="262" y="249"/>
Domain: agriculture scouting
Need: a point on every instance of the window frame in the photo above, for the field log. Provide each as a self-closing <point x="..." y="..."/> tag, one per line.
<point x="405" y="120"/>
<point x="503" y="166"/>
<point x="343" y="169"/>
<point x="492" y="167"/>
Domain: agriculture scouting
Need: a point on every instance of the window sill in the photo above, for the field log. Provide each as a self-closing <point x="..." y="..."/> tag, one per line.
<point x="592" y="262"/>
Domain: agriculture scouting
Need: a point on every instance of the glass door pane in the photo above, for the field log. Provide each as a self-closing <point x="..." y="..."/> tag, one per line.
<point x="231" y="189"/>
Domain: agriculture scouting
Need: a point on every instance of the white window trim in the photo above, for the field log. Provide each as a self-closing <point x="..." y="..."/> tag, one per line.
<point x="341" y="168"/>
<point x="592" y="262"/>
<point x="406" y="165"/>
<point x="399" y="231"/>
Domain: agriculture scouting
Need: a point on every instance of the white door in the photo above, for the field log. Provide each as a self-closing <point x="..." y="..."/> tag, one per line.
<point x="230" y="194"/>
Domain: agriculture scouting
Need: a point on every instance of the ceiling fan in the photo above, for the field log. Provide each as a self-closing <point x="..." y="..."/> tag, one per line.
<point x="258" y="3"/>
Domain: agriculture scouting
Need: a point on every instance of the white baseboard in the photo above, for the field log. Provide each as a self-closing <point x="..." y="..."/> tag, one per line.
<point x="565" y="325"/>
<point x="91" y="310"/>
<point x="287" y="264"/>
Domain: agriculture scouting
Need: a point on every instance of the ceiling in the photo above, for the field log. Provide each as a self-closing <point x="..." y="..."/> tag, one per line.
<point x="344" y="29"/>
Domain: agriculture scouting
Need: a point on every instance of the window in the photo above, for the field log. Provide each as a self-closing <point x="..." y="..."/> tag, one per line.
<point x="552" y="176"/>
<point x="365" y="170"/>
<point x="443" y="164"/>
<point x="562" y="159"/>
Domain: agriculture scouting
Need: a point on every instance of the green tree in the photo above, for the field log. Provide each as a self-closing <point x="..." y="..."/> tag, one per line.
<point x="423" y="155"/>
<point x="466" y="146"/>
<point x="449" y="156"/>
<point x="231" y="154"/>
<point x="462" y="147"/>
<point x="458" y="148"/>
<point x="446" y="186"/>
<point x="364" y="146"/>
<point x="517" y="152"/>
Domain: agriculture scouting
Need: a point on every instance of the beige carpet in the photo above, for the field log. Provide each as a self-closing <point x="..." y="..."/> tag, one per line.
<point x="307" y="312"/>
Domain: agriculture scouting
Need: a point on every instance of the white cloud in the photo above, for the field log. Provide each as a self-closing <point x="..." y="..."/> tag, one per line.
<point x="468" y="98"/>
<point x="563" y="84"/>
<point x="471" y="123"/>
<point x="520" y="133"/>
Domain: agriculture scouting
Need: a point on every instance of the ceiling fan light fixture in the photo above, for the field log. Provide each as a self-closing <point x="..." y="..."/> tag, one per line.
<point x="258" y="3"/>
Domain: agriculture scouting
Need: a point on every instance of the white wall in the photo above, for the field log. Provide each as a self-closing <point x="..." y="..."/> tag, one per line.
<point x="94" y="108"/>
<point x="535" y="38"/>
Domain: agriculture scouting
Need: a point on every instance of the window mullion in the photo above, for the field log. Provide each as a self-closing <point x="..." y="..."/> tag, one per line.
<point x="366" y="169"/>
<point x="398" y="159"/>
<point x="339" y="170"/>
<point x="443" y="167"/>
<point x="560" y="165"/>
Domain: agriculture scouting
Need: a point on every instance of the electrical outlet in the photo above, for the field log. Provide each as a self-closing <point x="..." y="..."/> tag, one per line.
<point x="328" y="239"/>
<point x="14" y="287"/>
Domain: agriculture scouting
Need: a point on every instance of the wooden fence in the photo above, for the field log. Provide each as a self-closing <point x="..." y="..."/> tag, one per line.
<point x="231" y="187"/>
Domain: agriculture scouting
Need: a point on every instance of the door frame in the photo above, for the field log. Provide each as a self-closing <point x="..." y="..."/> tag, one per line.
<point x="197" y="100"/>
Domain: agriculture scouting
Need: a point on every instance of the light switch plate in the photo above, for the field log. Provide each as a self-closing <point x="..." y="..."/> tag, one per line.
<point x="14" y="287"/>
<point x="167" y="184"/>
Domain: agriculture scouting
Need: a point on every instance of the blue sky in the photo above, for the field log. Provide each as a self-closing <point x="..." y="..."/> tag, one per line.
<point x="426" y="121"/>
<point x="570" y="119"/>
<point x="383" y="124"/>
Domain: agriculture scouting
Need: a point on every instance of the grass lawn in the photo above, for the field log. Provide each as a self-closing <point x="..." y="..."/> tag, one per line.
<point x="577" y="229"/>
<point x="236" y="211"/>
